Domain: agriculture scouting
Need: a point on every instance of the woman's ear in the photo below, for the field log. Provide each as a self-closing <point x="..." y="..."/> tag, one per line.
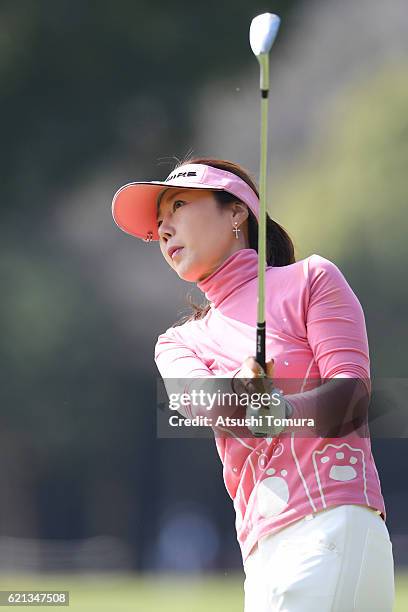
<point x="239" y="212"/>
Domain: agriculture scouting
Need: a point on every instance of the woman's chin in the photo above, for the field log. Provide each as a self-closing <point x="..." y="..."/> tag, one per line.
<point x="189" y="278"/>
<point x="188" y="273"/>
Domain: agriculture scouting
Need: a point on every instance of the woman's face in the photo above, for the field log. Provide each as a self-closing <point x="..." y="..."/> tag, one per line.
<point x="191" y="219"/>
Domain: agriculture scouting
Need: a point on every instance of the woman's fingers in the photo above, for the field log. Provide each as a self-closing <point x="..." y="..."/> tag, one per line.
<point x="253" y="367"/>
<point x="269" y="368"/>
<point x="251" y="377"/>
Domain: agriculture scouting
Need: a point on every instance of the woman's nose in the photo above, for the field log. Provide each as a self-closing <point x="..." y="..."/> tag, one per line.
<point x="165" y="230"/>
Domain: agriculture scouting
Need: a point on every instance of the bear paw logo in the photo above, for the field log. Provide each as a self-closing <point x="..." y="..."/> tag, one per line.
<point x="272" y="493"/>
<point x="342" y="463"/>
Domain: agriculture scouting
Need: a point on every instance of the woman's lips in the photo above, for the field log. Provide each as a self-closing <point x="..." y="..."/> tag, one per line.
<point x="176" y="252"/>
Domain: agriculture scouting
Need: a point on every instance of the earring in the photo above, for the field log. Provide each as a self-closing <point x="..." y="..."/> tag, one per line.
<point x="236" y="230"/>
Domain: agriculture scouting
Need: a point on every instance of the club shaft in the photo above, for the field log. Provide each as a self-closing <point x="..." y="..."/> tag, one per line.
<point x="260" y="331"/>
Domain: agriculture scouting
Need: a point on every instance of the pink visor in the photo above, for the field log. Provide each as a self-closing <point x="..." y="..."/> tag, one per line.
<point x="134" y="206"/>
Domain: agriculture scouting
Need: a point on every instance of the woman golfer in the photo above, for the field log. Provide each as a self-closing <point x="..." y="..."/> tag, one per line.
<point x="310" y="515"/>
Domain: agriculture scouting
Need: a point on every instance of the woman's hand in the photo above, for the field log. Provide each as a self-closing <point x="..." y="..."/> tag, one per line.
<point x="251" y="377"/>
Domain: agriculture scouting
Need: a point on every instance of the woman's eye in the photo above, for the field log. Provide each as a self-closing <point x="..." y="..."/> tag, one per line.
<point x="177" y="202"/>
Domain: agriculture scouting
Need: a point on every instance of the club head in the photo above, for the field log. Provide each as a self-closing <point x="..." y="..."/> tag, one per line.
<point x="262" y="32"/>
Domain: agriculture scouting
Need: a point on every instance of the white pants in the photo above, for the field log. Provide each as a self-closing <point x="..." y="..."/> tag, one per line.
<point x="337" y="560"/>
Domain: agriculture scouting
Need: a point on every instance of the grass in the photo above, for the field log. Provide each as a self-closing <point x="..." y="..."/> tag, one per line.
<point x="154" y="593"/>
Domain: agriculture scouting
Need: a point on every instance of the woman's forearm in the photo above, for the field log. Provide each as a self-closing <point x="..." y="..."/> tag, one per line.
<point x="338" y="407"/>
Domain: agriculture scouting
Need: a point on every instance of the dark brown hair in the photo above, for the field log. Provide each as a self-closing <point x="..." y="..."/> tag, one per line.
<point x="280" y="250"/>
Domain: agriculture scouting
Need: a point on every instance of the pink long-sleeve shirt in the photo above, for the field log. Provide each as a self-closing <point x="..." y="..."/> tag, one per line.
<point x="315" y="328"/>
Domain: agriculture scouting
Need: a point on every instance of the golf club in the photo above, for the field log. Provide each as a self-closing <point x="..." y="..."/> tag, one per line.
<point x="262" y="34"/>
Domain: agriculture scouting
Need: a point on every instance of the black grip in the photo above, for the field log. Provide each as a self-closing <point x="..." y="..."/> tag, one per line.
<point x="260" y="344"/>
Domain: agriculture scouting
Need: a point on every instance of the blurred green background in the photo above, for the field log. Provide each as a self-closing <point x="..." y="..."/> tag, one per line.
<point x="175" y="593"/>
<point x="94" y="95"/>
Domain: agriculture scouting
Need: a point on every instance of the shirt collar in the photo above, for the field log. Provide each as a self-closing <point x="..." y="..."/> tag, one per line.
<point x="235" y="271"/>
